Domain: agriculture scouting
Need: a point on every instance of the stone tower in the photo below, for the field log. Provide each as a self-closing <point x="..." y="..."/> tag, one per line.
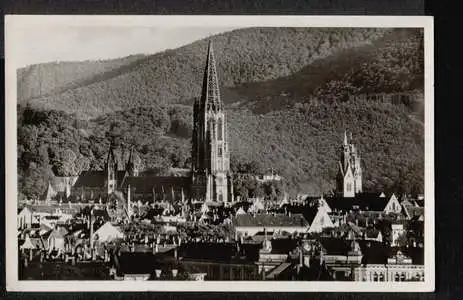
<point x="111" y="172"/>
<point x="349" y="180"/>
<point x="211" y="180"/>
<point x="131" y="167"/>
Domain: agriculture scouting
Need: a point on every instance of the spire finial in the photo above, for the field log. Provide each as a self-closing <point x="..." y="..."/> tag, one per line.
<point x="345" y="137"/>
<point x="210" y="97"/>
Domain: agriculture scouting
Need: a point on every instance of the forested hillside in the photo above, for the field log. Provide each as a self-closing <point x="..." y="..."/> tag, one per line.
<point x="43" y="80"/>
<point x="300" y="144"/>
<point x="286" y="109"/>
<point x="174" y="76"/>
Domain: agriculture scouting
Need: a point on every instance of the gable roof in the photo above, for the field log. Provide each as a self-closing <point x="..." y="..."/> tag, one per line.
<point x="259" y="220"/>
<point x="91" y="179"/>
<point x="208" y="251"/>
<point x="413" y="211"/>
<point x="146" y="184"/>
<point x="374" y="252"/>
<point x="138" y="263"/>
<point x="335" y="246"/>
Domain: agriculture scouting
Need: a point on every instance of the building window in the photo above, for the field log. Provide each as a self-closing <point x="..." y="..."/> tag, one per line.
<point x="220" y="151"/>
<point x="396" y="277"/>
<point x="349" y="187"/>
<point x="219" y="129"/>
<point x="402" y="277"/>
<point x="381" y="277"/>
<point x="375" y="276"/>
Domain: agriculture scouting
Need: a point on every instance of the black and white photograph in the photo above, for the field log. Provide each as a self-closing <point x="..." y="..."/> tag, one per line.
<point x="183" y="152"/>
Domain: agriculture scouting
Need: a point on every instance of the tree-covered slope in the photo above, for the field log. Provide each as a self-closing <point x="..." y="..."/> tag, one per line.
<point x="43" y="80"/>
<point x="174" y="76"/>
<point x="300" y="144"/>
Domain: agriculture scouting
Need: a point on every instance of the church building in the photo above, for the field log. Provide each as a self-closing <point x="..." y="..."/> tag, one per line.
<point x="349" y="179"/>
<point x="210" y="168"/>
<point x="209" y="179"/>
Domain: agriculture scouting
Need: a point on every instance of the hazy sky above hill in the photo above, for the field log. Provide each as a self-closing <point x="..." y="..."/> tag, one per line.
<point x="39" y="44"/>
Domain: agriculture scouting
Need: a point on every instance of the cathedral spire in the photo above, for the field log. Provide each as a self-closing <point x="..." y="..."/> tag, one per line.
<point x="210" y="97"/>
<point x="130" y="167"/>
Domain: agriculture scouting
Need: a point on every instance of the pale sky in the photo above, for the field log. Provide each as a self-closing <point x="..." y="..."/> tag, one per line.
<point x="39" y="44"/>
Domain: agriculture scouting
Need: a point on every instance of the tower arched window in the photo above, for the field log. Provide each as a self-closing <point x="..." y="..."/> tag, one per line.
<point x="219" y="130"/>
<point x="220" y="151"/>
<point x="349" y="187"/>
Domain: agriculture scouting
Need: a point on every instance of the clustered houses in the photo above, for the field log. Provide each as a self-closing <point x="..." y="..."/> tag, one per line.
<point x="189" y="227"/>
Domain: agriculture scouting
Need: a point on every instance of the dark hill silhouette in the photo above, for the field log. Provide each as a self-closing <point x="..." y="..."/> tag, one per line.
<point x="174" y="76"/>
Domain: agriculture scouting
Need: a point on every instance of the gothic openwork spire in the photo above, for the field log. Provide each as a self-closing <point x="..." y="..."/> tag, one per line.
<point x="210" y="97"/>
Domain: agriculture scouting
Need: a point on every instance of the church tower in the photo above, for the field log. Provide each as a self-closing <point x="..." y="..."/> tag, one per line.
<point x="131" y="168"/>
<point x="349" y="179"/>
<point x="210" y="155"/>
<point x="111" y="172"/>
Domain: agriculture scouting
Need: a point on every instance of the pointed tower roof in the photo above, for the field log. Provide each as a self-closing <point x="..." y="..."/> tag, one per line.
<point x="210" y="95"/>
<point x="111" y="156"/>
<point x="130" y="162"/>
<point x="345" y="138"/>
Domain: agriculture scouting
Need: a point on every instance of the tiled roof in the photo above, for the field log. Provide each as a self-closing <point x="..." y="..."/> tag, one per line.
<point x="414" y="211"/>
<point x="208" y="251"/>
<point x="91" y="179"/>
<point x="138" y="263"/>
<point x="145" y="184"/>
<point x="282" y="220"/>
<point x="283" y="246"/>
<point x="335" y="246"/>
<point x="341" y="203"/>
<point x="374" y="252"/>
<point x="378" y="253"/>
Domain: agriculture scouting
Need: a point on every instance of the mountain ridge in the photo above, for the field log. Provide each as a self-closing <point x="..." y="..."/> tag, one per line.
<point x="246" y="55"/>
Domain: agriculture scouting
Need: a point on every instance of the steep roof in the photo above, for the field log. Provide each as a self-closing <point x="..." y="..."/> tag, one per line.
<point x="374" y="252"/>
<point x="414" y="211"/>
<point x="284" y="245"/>
<point x="91" y="179"/>
<point x="335" y="246"/>
<point x="282" y="220"/>
<point x="146" y="184"/>
<point x="208" y="251"/>
<point x="210" y="95"/>
<point x="139" y="263"/>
